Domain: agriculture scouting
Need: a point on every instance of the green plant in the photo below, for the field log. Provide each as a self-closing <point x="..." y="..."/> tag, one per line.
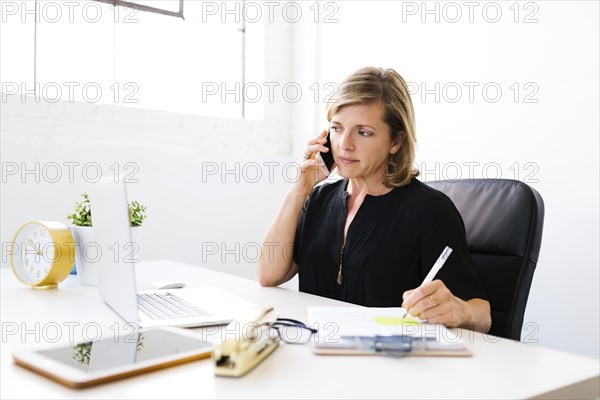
<point x="83" y="213"/>
<point x="137" y="213"/>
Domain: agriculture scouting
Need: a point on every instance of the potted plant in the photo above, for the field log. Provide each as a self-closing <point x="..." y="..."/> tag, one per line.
<point x="86" y="253"/>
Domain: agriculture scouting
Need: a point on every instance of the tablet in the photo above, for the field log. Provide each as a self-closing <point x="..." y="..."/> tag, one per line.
<point x="85" y="364"/>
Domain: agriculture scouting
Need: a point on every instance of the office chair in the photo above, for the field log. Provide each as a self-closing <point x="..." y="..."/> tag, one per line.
<point x="503" y="220"/>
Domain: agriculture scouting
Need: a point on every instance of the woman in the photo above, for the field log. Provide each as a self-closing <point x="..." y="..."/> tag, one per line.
<point x="373" y="236"/>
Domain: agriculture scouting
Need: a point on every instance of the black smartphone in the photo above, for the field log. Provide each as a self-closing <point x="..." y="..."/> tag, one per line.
<point x="327" y="158"/>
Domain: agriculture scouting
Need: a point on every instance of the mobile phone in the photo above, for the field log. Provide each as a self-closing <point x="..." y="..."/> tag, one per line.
<point x="85" y="364"/>
<point x="327" y="158"/>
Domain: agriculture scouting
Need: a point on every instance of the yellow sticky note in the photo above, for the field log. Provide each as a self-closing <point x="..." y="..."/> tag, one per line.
<point x="395" y="321"/>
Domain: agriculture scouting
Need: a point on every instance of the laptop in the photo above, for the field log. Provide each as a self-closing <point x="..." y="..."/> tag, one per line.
<point x="186" y="307"/>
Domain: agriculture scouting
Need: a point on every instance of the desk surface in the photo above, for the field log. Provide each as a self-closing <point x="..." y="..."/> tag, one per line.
<point x="499" y="368"/>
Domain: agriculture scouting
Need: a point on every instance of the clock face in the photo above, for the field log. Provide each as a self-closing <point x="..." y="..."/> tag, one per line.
<point x="34" y="253"/>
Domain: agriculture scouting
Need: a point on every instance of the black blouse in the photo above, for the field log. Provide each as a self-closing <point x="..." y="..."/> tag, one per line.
<point x="391" y="244"/>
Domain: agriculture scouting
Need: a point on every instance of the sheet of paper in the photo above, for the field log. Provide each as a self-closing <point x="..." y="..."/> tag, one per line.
<point x="334" y="322"/>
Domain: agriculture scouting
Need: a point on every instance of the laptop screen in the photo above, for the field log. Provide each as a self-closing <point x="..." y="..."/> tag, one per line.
<point x="112" y="235"/>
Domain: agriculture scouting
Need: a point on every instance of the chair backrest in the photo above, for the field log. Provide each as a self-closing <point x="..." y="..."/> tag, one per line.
<point x="503" y="220"/>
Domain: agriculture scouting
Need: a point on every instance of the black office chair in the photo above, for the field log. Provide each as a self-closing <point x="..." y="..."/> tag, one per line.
<point x="503" y="220"/>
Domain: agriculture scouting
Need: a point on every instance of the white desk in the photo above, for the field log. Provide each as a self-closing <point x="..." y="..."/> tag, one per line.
<point x="498" y="368"/>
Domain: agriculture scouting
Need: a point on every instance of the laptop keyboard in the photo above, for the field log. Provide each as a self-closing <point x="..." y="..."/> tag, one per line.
<point x="167" y="306"/>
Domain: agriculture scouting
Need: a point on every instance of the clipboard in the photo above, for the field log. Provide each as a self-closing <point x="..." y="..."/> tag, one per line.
<point x="333" y="351"/>
<point x="428" y="353"/>
<point x="380" y="331"/>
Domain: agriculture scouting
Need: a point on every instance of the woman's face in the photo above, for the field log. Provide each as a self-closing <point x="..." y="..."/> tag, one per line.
<point x="361" y="141"/>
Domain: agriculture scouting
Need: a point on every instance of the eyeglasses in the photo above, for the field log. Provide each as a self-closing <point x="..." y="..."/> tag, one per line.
<point x="291" y="331"/>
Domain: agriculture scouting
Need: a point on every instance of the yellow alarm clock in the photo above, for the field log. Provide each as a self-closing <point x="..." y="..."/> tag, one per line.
<point x="43" y="254"/>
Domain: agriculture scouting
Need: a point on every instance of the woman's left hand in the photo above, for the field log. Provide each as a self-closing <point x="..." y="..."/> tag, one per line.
<point x="435" y="303"/>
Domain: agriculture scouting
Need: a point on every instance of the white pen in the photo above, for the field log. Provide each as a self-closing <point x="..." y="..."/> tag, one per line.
<point x="437" y="266"/>
<point x="439" y="263"/>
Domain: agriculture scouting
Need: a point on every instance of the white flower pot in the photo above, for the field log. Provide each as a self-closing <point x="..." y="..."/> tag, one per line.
<point x="87" y="254"/>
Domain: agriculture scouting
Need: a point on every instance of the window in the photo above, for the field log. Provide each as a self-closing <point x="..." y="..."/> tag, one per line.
<point x="173" y="8"/>
<point x="188" y="66"/>
<point x="110" y="52"/>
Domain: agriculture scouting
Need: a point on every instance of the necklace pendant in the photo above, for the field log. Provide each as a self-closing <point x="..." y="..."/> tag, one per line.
<point x="339" y="277"/>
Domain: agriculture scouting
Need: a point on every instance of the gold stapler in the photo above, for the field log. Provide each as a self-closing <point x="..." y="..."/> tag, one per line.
<point x="250" y="345"/>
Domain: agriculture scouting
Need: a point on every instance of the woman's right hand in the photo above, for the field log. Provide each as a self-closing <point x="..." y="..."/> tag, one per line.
<point x="311" y="169"/>
<point x="276" y="264"/>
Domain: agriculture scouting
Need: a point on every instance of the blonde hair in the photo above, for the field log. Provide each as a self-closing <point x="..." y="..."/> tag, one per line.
<point x="371" y="85"/>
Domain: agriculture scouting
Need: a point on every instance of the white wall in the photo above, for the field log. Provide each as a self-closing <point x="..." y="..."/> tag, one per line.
<point x="190" y="213"/>
<point x="210" y="184"/>
<point x="209" y="190"/>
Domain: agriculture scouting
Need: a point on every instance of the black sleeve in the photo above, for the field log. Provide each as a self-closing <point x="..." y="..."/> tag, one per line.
<point x="445" y="227"/>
